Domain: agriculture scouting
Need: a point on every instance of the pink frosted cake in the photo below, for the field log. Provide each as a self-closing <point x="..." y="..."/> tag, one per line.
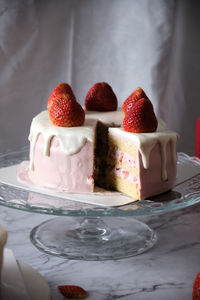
<point x="72" y="158"/>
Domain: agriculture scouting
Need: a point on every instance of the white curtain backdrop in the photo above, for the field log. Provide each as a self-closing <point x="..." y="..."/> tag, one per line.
<point x="154" y="44"/>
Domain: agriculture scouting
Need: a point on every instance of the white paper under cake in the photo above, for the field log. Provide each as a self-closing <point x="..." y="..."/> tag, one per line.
<point x="185" y="171"/>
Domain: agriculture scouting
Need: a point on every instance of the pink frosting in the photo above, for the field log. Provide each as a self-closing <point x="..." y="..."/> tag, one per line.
<point x="69" y="173"/>
<point x="151" y="182"/>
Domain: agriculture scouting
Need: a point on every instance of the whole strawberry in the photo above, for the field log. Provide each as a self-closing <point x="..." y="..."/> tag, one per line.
<point x="141" y="118"/>
<point x="72" y="291"/>
<point x="66" y="112"/>
<point x="196" y="288"/>
<point x="59" y="91"/>
<point x="101" y="98"/>
<point x="132" y="99"/>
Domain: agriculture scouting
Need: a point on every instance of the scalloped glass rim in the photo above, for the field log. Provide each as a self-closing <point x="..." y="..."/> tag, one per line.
<point x="18" y="198"/>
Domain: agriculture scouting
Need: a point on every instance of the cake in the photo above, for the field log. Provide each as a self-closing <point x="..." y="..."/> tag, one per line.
<point x="71" y="149"/>
<point x="3" y="239"/>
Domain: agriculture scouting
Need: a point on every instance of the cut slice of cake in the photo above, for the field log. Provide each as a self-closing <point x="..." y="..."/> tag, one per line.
<point x="142" y="155"/>
<point x="141" y="164"/>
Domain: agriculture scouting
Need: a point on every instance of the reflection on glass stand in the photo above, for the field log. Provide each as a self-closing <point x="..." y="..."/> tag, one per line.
<point x="93" y="238"/>
<point x="88" y="232"/>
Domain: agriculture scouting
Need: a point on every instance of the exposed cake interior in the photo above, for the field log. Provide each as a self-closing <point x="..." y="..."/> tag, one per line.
<point x="141" y="165"/>
<point x="105" y="120"/>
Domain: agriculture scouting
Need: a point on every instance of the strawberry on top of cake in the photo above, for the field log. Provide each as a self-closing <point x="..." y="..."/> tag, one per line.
<point x="101" y="97"/>
<point x="63" y="108"/>
<point x="101" y="104"/>
<point x="139" y="113"/>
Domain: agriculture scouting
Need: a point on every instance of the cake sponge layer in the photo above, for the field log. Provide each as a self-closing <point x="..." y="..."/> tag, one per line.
<point x="124" y="186"/>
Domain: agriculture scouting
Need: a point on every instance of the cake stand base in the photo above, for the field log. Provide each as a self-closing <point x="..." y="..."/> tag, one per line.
<point x="93" y="238"/>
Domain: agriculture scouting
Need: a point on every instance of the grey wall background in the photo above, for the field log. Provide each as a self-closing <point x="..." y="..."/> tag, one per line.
<point x="154" y="44"/>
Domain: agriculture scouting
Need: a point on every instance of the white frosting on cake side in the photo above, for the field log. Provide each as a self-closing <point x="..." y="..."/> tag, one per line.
<point x="146" y="141"/>
<point x="71" y="139"/>
<point x="114" y="118"/>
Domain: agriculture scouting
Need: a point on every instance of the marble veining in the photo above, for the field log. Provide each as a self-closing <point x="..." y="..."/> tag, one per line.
<point x="165" y="272"/>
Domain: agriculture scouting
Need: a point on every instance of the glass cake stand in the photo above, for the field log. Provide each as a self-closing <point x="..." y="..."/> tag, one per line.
<point x="89" y="232"/>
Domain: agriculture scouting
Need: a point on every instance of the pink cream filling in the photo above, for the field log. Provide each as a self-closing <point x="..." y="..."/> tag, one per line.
<point x="124" y="174"/>
<point x="122" y="157"/>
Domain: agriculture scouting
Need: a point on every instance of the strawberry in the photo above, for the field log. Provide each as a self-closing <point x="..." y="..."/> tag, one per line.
<point x="72" y="291"/>
<point x="132" y="99"/>
<point x="196" y="288"/>
<point x="59" y="91"/>
<point x="121" y="157"/>
<point x="126" y="174"/>
<point x="66" y="112"/>
<point x="101" y="98"/>
<point x="141" y="118"/>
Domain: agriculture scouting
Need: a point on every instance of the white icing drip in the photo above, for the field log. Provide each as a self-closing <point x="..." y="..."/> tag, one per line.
<point x="164" y="157"/>
<point x="107" y="117"/>
<point x="47" y="144"/>
<point x="146" y="142"/>
<point x="71" y="139"/>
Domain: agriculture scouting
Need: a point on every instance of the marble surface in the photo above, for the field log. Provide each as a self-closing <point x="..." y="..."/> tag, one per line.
<point x="167" y="271"/>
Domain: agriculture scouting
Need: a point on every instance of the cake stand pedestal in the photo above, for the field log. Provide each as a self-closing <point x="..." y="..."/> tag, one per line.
<point x="87" y="232"/>
<point x="93" y="238"/>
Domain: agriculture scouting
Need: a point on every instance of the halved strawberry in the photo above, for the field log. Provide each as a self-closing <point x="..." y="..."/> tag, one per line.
<point x="66" y="112"/>
<point x="141" y="118"/>
<point x="72" y="291"/>
<point x="128" y="104"/>
<point x="101" y="98"/>
<point x="196" y="288"/>
<point x="60" y="91"/>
